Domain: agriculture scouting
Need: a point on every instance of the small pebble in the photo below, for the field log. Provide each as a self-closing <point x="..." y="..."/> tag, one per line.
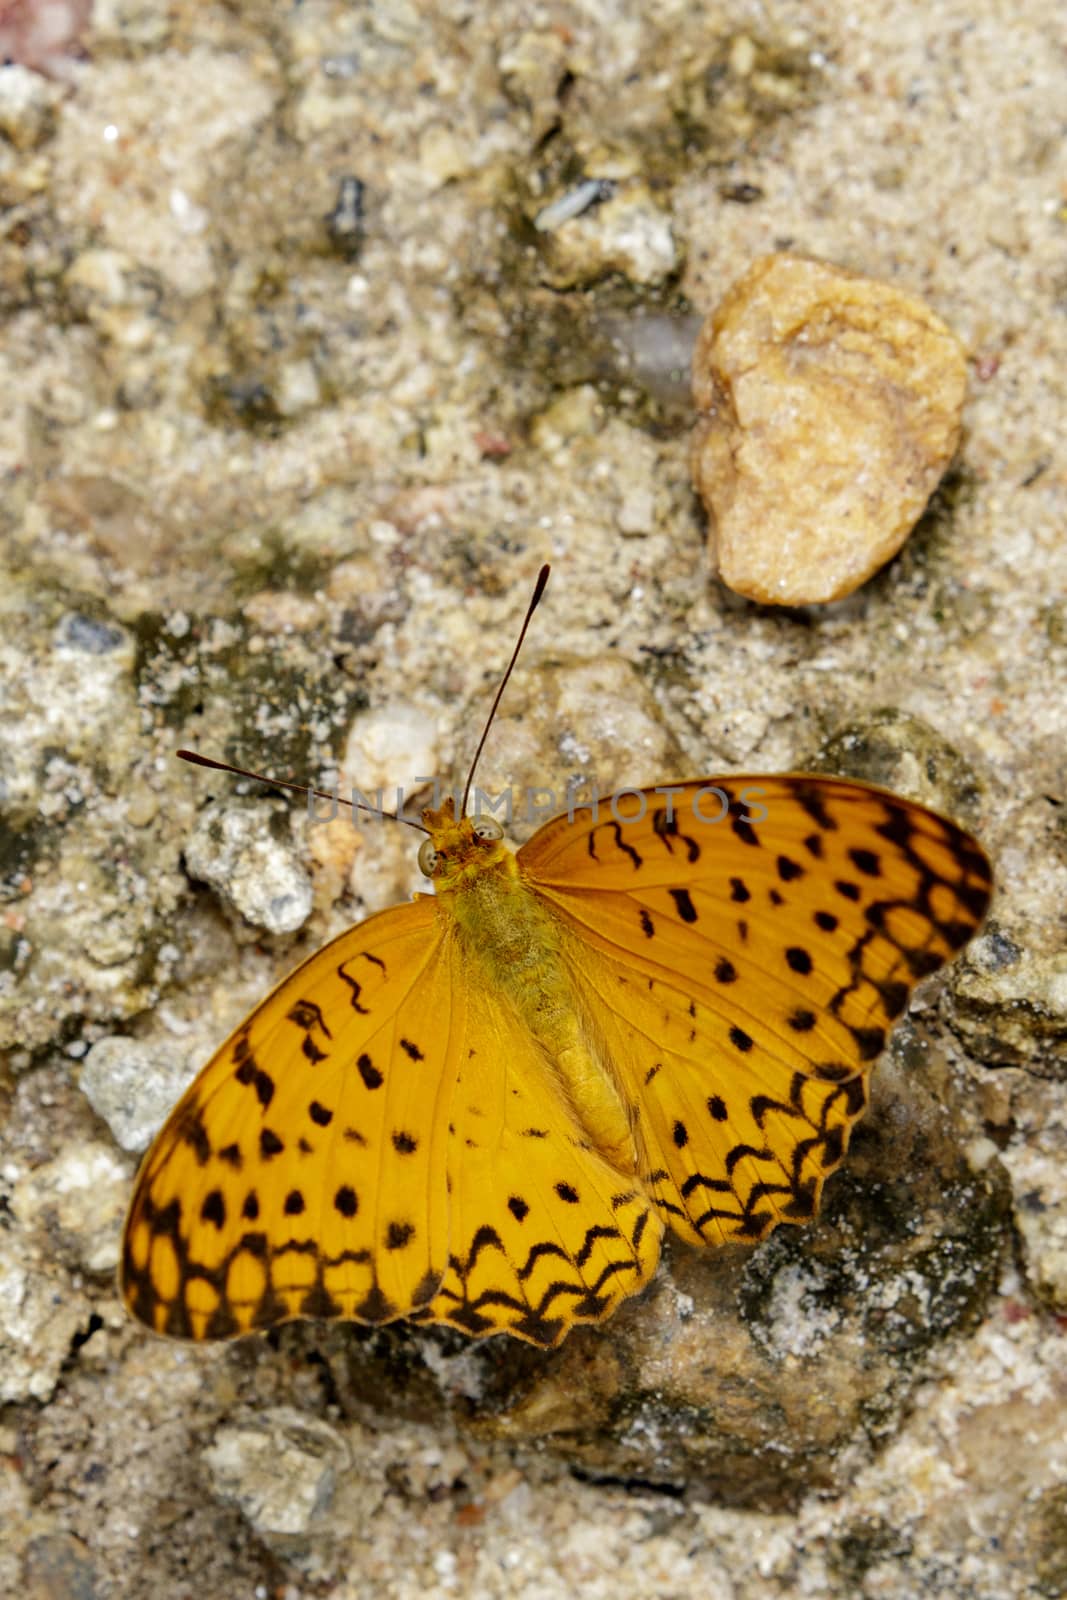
<point x="43" y="34"/>
<point x="830" y="407"/>
<point x="392" y="746"/>
<point x="262" y="877"/>
<point x="80" y="1195"/>
<point x="57" y="1566"/>
<point x="27" y="106"/>
<point x="1036" y="1162"/>
<point x="637" y="513"/>
<point x="39" y="1315"/>
<point x="280" y="1468"/>
<point x="132" y="1085"/>
<point x="625" y="231"/>
<point x="87" y="635"/>
<point x="590" y="192"/>
<point x="142" y="806"/>
<point x="345" y="223"/>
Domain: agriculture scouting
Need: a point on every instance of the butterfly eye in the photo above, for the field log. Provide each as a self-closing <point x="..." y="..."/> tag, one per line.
<point x="487" y="828"/>
<point x="428" y="858"/>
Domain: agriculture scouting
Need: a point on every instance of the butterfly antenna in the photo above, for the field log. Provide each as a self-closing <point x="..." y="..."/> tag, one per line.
<point x="300" y="788"/>
<point x="535" y="601"/>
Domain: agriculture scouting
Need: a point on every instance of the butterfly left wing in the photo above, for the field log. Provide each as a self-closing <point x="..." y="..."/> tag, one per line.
<point x="741" y="978"/>
<point x="303" y="1172"/>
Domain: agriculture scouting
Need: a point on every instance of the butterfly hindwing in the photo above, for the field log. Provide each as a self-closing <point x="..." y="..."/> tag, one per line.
<point x="303" y="1173"/>
<point x="544" y="1232"/>
<point x="741" y="977"/>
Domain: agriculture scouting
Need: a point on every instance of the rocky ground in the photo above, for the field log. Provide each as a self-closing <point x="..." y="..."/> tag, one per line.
<point x="301" y="379"/>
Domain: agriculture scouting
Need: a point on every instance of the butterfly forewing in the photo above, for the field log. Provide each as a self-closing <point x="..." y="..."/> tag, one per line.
<point x="741" y="976"/>
<point x="303" y="1174"/>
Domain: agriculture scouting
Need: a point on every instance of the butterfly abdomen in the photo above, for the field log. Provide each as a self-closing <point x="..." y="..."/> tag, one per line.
<point x="515" y="940"/>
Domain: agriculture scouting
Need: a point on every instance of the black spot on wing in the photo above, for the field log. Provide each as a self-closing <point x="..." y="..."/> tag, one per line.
<point x="372" y="1078"/>
<point x="376" y="1307"/>
<point x="741" y="825"/>
<point x="615" y="830"/>
<point x="975" y="897"/>
<point x="740" y="1151"/>
<point x="870" y="1042"/>
<point x="897" y="827"/>
<point x="812" y="800"/>
<point x="667" y="829"/>
<point x="894" y="996"/>
<point x="867" y="862"/>
<point x="194" y="1134"/>
<point x="426" y="1288"/>
<point x="306" y="1014"/>
<point x="683" y="904"/>
<point x="319" y="1302"/>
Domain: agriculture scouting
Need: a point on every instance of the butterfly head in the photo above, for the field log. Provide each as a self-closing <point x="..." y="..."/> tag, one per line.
<point x="459" y="849"/>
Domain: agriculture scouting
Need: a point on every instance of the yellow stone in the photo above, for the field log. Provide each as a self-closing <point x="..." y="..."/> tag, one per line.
<point x="830" y="407"/>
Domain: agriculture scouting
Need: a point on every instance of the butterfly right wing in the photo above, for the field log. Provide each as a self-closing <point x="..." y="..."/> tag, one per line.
<point x="303" y="1174"/>
<point x="742" y="980"/>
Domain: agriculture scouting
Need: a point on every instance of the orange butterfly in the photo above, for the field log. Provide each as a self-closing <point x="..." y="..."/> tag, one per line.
<point x="484" y="1107"/>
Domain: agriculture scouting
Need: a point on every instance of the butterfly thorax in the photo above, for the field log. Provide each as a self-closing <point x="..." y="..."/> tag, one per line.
<point x="508" y="932"/>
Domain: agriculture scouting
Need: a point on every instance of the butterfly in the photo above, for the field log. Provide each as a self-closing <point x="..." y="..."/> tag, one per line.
<point x="485" y="1107"/>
